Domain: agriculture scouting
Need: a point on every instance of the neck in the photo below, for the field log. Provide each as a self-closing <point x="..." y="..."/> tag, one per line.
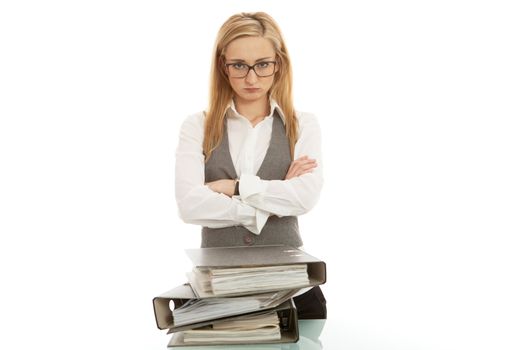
<point x="254" y="111"/>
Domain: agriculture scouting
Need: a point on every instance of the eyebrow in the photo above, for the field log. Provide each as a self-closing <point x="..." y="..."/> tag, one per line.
<point x="241" y="60"/>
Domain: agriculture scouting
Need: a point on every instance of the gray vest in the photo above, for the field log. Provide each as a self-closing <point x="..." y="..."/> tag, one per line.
<point x="278" y="230"/>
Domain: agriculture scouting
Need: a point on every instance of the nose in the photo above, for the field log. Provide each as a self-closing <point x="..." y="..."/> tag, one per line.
<point x="251" y="78"/>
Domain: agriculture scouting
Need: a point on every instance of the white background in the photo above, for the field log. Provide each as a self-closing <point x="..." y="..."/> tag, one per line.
<point x="421" y="219"/>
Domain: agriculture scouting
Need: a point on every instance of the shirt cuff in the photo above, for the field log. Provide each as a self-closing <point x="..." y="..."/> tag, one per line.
<point x="251" y="218"/>
<point x="250" y="186"/>
<point x="261" y="217"/>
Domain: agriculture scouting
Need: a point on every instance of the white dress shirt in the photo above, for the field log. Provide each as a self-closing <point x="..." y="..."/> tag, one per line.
<point x="258" y="198"/>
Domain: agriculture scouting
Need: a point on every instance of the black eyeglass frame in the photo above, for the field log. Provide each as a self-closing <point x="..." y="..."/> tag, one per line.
<point x="250" y="68"/>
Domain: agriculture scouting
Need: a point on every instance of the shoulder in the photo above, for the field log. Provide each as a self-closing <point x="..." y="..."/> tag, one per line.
<point x="193" y="125"/>
<point x="196" y="119"/>
<point x="193" y="121"/>
<point x="306" y="120"/>
<point x="303" y="116"/>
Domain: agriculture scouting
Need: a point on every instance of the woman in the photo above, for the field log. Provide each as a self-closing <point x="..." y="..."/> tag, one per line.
<point x="250" y="164"/>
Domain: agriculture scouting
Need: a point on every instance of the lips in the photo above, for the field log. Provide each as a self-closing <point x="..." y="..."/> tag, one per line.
<point x="251" y="89"/>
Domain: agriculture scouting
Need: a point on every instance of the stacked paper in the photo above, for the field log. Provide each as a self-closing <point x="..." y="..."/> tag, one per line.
<point x="238" y="295"/>
<point x="246" y="280"/>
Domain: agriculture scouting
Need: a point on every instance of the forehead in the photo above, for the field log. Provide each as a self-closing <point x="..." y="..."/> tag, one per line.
<point x="249" y="49"/>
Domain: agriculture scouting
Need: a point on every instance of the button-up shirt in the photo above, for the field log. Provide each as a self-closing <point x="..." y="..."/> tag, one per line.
<point x="258" y="198"/>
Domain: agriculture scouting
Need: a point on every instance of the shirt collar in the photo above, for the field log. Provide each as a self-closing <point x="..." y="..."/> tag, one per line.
<point x="273" y="106"/>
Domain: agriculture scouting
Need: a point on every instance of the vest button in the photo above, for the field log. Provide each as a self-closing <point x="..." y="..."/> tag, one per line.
<point x="248" y="239"/>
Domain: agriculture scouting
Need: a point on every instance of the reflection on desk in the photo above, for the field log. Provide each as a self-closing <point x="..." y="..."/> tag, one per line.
<point x="309" y="332"/>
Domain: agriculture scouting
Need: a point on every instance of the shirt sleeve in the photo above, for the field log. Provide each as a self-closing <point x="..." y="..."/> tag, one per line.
<point x="295" y="196"/>
<point x="197" y="203"/>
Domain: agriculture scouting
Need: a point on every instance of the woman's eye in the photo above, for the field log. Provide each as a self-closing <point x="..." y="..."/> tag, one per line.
<point x="263" y="65"/>
<point x="239" y="66"/>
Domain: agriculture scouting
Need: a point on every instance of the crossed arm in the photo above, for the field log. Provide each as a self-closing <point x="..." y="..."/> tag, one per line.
<point x="300" y="166"/>
<point x="214" y="205"/>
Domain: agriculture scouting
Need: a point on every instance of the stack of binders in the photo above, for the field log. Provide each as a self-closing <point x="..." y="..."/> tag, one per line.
<point x="238" y="295"/>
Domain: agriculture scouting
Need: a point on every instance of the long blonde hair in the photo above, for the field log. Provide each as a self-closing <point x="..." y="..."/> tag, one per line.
<point x="257" y="24"/>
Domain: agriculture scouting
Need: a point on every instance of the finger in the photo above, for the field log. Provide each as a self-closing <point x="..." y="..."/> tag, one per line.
<point x="300" y="170"/>
<point x="299" y="163"/>
<point x="291" y="171"/>
<point x="296" y="164"/>
<point x="306" y="171"/>
<point x="309" y="165"/>
<point x="309" y="160"/>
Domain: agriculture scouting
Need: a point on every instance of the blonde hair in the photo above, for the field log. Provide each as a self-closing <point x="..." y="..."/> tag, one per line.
<point x="258" y="24"/>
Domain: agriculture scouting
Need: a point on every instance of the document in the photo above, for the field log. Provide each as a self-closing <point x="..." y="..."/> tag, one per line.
<point x="234" y="293"/>
<point x="237" y="281"/>
<point x="245" y="329"/>
<point x="278" y="324"/>
<point x="235" y="271"/>
<point x="199" y="310"/>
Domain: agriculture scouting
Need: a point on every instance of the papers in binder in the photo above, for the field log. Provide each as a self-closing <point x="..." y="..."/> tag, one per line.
<point x="245" y="280"/>
<point x="249" y="328"/>
<point x="198" y="310"/>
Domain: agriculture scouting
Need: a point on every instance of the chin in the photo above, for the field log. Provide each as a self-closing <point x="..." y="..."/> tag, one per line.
<point x="253" y="97"/>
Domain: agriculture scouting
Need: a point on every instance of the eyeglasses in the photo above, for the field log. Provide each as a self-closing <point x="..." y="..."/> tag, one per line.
<point x="241" y="70"/>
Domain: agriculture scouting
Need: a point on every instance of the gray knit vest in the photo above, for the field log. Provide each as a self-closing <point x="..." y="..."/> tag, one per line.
<point x="278" y="230"/>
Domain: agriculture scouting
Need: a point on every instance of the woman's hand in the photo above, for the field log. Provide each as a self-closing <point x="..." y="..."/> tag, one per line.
<point x="225" y="186"/>
<point x="301" y="166"/>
